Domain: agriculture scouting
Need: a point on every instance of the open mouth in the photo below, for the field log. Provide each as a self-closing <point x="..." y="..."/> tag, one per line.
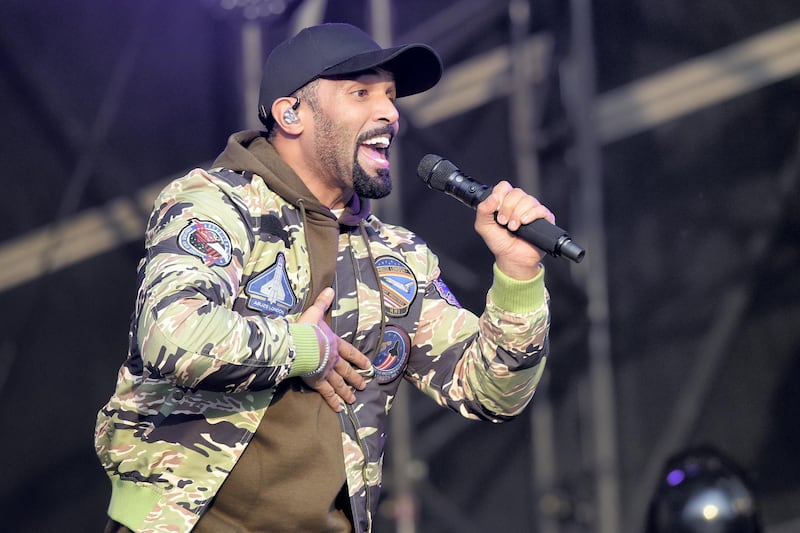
<point x="376" y="149"/>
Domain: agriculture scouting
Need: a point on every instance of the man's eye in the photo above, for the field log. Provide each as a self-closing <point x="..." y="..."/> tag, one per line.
<point x="361" y="93"/>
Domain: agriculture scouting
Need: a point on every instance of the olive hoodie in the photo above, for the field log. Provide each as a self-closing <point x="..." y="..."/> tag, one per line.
<point x="208" y="418"/>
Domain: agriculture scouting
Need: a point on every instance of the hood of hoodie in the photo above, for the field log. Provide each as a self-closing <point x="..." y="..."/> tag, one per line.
<point x="250" y="151"/>
<point x="296" y="413"/>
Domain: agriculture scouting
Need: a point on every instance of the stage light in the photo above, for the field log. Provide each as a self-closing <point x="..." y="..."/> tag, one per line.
<point x="701" y="491"/>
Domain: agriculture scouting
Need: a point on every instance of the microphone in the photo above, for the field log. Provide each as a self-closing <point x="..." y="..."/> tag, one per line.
<point x="443" y="176"/>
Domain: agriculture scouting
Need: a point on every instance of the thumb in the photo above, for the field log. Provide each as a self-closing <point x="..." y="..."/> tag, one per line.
<point x="489" y="206"/>
<point x="317" y="310"/>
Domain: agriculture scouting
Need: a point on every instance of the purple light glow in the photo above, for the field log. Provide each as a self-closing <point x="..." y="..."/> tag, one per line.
<point x="675" y="477"/>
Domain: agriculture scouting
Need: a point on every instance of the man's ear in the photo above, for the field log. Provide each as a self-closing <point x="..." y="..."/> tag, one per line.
<point x="286" y="116"/>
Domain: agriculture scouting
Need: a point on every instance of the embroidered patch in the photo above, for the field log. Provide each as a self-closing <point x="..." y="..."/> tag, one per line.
<point x="207" y="241"/>
<point x="445" y="293"/>
<point x="270" y="292"/>
<point x="398" y="283"/>
<point x="393" y="355"/>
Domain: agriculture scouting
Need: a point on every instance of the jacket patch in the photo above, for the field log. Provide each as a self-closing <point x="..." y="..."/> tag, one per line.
<point x="393" y="356"/>
<point x="445" y="293"/>
<point x="207" y="241"/>
<point x="398" y="283"/>
<point x="270" y="292"/>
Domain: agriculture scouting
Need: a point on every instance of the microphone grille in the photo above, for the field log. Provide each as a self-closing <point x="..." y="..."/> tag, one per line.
<point x="434" y="170"/>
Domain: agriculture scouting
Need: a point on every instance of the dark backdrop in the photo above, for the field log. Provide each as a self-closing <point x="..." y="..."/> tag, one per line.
<point x="100" y="100"/>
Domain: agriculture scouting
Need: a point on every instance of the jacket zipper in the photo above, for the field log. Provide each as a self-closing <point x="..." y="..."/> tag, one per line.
<point x="348" y="408"/>
<point x="364" y="450"/>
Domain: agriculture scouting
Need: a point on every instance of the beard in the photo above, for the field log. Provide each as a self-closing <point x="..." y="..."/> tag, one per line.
<point x="334" y="156"/>
<point x="367" y="186"/>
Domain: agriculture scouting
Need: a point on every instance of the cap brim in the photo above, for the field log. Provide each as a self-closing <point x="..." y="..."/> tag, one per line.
<point x="416" y="67"/>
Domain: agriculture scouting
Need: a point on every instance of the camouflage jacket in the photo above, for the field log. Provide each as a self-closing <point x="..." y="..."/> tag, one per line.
<point x="223" y="281"/>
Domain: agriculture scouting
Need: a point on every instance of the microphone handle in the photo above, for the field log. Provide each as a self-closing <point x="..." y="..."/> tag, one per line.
<point x="548" y="237"/>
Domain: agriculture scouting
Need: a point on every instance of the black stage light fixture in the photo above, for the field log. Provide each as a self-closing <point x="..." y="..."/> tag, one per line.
<point x="702" y="491"/>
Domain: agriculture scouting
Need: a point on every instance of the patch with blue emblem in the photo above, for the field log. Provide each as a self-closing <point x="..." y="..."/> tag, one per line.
<point x="207" y="241"/>
<point x="270" y="292"/>
<point x="399" y="286"/>
<point x="445" y="293"/>
<point x="393" y="355"/>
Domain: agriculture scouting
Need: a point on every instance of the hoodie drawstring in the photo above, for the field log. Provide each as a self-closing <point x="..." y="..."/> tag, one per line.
<point x="380" y="287"/>
<point x="301" y="203"/>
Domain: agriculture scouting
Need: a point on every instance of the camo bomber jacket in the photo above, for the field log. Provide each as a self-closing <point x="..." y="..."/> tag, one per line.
<point x="225" y="276"/>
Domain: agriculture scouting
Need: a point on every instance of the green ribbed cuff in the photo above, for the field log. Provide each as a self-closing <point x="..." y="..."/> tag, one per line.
<point x="306" y="349"/>
<point x="517" y="296"/>
<point x="131" y="503"/>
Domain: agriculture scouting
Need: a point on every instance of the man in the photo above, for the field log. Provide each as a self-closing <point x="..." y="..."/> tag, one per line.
<point x="275" y="314"/>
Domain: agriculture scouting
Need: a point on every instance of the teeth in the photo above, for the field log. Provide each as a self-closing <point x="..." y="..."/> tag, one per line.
<point x="379" y="142"/>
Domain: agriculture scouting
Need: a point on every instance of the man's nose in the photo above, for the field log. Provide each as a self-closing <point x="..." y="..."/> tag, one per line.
<point x="387" y="111"/>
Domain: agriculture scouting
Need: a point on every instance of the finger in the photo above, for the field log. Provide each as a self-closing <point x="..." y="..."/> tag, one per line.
<point x="513" y="204"/>
<point x="326" y="390"/>
<point x="323" y="300"/>
<point x="349" y="375"/>
<point x="536" y="212"/>
<point x="489" y="206"/>
<point x="351" y="354"/>
<point x="526" y="209"/>
<point x="517" y="208"/>
<point x="340" y="387"/>
<point x="316" y="311"/>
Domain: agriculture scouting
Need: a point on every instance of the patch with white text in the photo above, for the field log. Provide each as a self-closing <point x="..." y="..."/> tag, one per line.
<point x="393" y="355"/>
<point x="207" y="241"/>
<point x="270" y="292"/>
<point x="445" y="293"/>
<point x="399" y="286"/>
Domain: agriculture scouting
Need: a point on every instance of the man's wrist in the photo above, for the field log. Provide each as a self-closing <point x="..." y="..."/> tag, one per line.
<point x="307" y="350"/>
<point x="325" y="351"/>
<point x="520" y="272"/>
<point x="518" y="296"/>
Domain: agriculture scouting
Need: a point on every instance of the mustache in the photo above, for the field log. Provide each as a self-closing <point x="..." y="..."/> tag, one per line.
<point x="385" y="130"/>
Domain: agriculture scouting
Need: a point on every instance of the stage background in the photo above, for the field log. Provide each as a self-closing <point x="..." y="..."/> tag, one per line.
<point x="664" y="135"/>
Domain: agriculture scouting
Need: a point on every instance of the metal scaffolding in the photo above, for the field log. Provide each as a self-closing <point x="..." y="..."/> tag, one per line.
<point x="510" y="71"/>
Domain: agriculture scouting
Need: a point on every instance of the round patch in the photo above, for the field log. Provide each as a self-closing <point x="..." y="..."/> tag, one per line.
<point x="393" y="356"/>
<point x="399" y="286"/>
<point x="207" y="241"/>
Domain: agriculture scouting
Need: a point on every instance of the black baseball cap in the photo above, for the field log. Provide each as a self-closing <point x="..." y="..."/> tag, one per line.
<point x="338" y="49"/>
